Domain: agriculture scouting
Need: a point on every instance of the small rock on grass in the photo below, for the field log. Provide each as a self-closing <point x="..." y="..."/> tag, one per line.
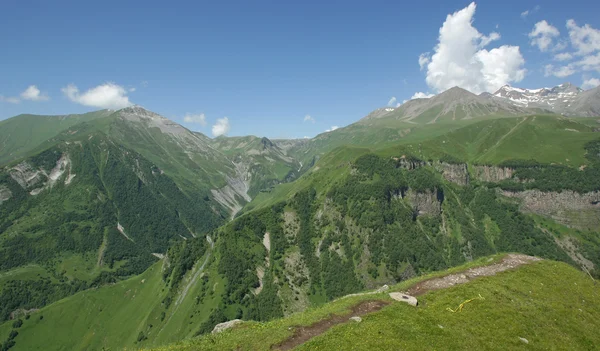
<point x="357" y="319"/>
<point x="524" y="340"/>
<point x="411" y="300"/>
<point x="226" y="325"/>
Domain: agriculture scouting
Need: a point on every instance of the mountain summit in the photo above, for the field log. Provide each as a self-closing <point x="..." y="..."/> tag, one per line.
<point x="566" y="99"/>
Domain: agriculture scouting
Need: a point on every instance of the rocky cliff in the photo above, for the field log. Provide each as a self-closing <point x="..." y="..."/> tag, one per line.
<point x="572" y="209"/>
<point x="491" y="174"/>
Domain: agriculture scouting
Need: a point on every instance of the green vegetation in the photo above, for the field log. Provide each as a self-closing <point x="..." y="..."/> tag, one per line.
<point x="111" y="235"/>
<point x="549" y="304"/>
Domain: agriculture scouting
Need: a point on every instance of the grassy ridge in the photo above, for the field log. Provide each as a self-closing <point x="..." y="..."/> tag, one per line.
<point x="550" y="304"/>
<point x="22" y="134"/>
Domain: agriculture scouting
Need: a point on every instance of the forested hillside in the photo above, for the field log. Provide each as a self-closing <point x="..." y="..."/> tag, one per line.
<point x="110" y="218"/>
<point x="87" y="213"/>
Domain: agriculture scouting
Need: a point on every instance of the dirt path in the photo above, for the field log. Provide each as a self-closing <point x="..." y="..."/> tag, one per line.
<point x="303" y="334"/>
<point x="509" y="262"/>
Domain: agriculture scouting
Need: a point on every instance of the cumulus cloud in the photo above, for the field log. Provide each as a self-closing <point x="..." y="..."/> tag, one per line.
<point x="563" y="56"/>
<point x="9" y="99"/>
<point x="590" y="83"/>
<point x="424" y="60"/>
<point x="460" y="59"/>
<point x="331" y="129"/>
<point x="108" y="95"/>
<point x="221" y="126"/>
<point x="195" y="118"/>
<point x="308" y="118"/>
<point x="542" y="35"/>
<point x="392" y="101"/>
<point x="34" y="94"/>
<point x="420" y="95"/>
<point x="560" y="72"/>
<point x="584" y="39"/>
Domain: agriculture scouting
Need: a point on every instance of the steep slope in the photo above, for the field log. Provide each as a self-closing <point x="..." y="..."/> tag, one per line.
<point x="260" y="162"/>
<point x="587" y="103"/>
<point x="522" y="308"/>
<point x="356" y="220"/>
<point x="86" y="212"/>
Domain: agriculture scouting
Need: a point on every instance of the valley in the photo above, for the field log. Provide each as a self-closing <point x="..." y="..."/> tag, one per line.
<point x="124" y="229"/>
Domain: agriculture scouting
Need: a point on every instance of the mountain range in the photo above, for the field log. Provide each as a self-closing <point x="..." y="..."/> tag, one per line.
<point x="124" y="229"/>
<point x="457" y="103"/>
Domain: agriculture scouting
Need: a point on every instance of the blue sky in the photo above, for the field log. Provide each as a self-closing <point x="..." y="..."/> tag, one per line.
<point x="267" y="65"/>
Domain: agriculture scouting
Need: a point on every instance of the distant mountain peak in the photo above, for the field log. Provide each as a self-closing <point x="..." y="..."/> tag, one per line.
<point x="558" y="99"/>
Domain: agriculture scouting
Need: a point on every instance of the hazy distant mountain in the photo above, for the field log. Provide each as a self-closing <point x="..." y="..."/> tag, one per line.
<point x="565" y="99"/>
<point x="455" y="104"/>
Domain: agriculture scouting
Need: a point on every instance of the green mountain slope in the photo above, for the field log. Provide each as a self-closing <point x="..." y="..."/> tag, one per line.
<point x="22" y="134"/>
<point x="104" y="198"/>
<point x="87" y="212"/>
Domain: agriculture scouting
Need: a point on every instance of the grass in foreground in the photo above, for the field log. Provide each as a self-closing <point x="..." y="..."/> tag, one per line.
<point x="551" y="304"/>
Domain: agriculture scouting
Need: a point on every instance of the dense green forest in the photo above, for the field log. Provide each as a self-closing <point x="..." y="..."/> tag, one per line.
<point x="80" y="218"/>
<point x="381" y="223"/>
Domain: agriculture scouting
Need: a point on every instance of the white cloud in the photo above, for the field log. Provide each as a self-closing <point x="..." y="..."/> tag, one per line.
<point x="424" y="60"/>
<point x="584" y="39"/>
<point x="108" y="95"/>
<point x="560" y="72"/>
<point x="421" y="95"/>
<point x="392" y="101"/>
<point x="331" y="129"/>
<point x="195" y="118"/>
<point x="308" y="118"/>
<point x="542" y="35"/>
<point x="589" y="63"/>
<point x="590" y="83"/>
<point x="34" y="94"/>
<point x="461" y="60"/>
<point x="221" y="126"/>
<point x="9" y="99"/>
<point x="563" y="56"/>
<point x="418" y="95"/>
<point x="526" y="13"/>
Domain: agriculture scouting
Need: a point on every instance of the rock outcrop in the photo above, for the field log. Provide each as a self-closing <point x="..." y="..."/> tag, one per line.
<point x="411" y="300"/>
<point x="455" y="173"/>
<point x="226" y="325"/>
<point x="492" y="174"/>
<point x="5" y="193"/>
<point x="424" y="203"/>
<point x="567" y="207"/>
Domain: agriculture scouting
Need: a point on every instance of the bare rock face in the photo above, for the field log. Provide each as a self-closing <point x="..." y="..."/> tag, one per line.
<point x="411" y="300"/>
<point x="424" y="203"/>
<point x="5" y="193"/>
<point x="567" y="207"/>
<point x="226" y="325"/>
<point x="492" y="174"/>
<point x="27" y="176"/>
<point x="455" y="173"/>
